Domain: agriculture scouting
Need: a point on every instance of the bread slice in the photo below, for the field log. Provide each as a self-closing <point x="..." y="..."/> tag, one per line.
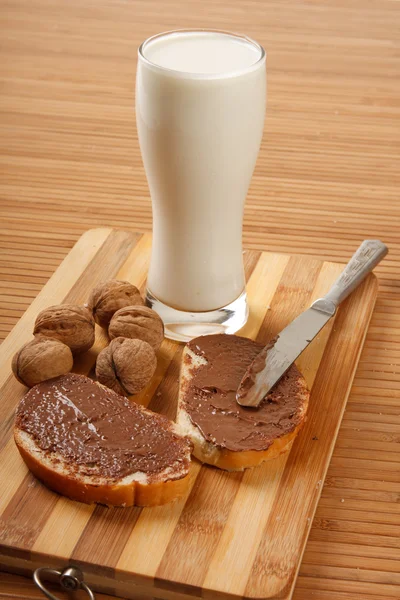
<point x="211" y="452"/>
<point x="45" y="445"/>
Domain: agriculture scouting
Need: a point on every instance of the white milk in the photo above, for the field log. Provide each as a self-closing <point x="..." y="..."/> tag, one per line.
<point x="200" y="105"/>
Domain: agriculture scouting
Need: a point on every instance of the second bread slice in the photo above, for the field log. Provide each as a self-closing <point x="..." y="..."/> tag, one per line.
<point x="225" y="434"/>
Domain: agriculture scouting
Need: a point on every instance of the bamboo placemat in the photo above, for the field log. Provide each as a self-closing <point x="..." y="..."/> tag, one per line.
<point x="327" y="178"/>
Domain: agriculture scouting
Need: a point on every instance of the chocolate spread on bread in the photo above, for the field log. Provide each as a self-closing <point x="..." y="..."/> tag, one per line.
<point x="93" y="427"/>
<point x="210" y="398"/>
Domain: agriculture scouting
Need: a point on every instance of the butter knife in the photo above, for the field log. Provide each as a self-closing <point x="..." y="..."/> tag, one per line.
<point x="274" y="360"/>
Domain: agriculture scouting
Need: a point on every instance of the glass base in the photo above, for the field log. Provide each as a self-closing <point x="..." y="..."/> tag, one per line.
<point x="183" y="326"/>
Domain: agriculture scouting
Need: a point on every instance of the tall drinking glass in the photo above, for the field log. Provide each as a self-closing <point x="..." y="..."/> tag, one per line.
<point x="200" y="107"/>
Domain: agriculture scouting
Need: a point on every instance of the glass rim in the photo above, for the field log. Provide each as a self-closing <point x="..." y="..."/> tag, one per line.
<point x="204" y="76"/>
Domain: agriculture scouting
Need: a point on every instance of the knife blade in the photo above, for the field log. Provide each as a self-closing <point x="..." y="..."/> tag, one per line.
<point x="274" y="360"/>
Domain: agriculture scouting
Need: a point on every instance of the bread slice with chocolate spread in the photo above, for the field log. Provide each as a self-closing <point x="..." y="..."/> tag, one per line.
<point x="88" y="443"/>
<point x="223" y="433"/>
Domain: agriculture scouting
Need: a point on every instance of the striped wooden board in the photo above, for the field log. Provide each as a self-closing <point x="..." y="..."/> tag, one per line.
<point x="235" y="534"/>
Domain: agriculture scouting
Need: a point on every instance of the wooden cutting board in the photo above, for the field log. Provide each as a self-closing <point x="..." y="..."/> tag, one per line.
<point x="235" y="534"/>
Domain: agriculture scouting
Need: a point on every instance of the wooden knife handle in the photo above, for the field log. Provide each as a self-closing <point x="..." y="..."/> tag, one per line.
<point x="368" y="255"/>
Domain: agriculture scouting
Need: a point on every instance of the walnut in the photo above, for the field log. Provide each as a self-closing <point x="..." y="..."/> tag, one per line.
<point x="109" y="296"/>
<point x="138" y="322"/>
<point x="41" y="359"/>
<point x="71" y="324"/>
<point x="126" y="366"/>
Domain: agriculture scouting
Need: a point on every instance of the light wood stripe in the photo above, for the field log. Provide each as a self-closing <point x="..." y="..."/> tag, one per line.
<point x="63" y="528"/>
<point x="311" y="357"/>
<point x="12" y="472"/>
<point x="136" y="264"/>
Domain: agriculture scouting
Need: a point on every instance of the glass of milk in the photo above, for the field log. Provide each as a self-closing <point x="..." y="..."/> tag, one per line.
<point x="200" y="107"/>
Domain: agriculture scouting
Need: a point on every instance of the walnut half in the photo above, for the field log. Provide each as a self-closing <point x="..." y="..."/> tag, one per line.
<point x="126" y="366"/>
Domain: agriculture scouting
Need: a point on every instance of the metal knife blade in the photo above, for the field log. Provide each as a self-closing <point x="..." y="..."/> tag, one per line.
<point x="289" y="345"/>
<point x="275" y="359"/>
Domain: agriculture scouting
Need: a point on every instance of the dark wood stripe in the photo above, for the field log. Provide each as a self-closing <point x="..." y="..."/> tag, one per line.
<point x="10" y="394"/>
<point x="291" y="297"/>
<point x="105" y="536"/>
<point x="250" y="260"/>
<point x="165" y="399"/>
<point x="332" y="384"/>
<point x="105" y="264"/>
<point x="26" y="514"/>
<point x="28" y="501"/>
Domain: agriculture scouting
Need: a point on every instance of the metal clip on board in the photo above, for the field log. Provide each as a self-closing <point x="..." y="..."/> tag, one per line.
<point x="70" y="579"/>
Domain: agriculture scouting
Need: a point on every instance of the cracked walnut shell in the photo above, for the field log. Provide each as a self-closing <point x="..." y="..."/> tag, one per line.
<point x="69" y="323"/>
<point x="108" y="297"/>
<point x="126" y="366"/>
<point x="138" y="322"/>
<point x="41" y="359"/>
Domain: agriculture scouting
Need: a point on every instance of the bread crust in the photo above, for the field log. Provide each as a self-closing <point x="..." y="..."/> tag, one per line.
<point x="133" y="494"/>
<point x="209" y="453"/>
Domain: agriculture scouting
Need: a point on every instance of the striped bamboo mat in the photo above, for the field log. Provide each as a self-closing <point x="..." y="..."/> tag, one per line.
<point x="327" y="177"/>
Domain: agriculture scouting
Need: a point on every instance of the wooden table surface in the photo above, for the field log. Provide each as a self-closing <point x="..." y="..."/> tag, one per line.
<point x="327" y="177"/>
